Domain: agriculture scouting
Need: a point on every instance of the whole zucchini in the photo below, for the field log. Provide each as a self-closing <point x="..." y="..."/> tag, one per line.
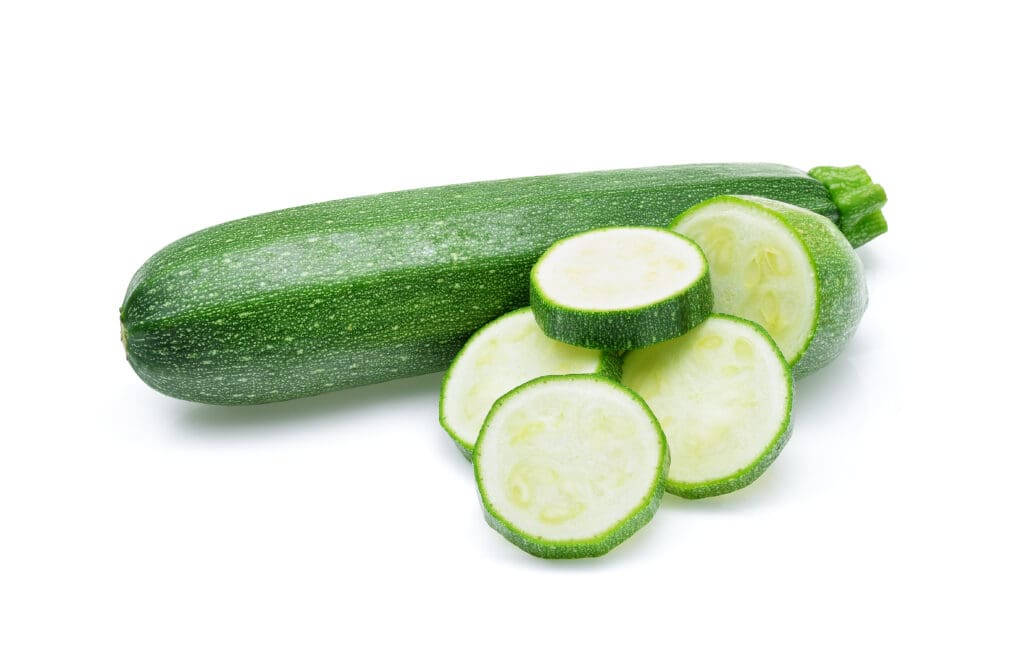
<point x="327" y="296"/>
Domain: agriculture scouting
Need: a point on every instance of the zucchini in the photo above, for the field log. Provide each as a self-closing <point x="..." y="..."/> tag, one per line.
<point x="723" y="394"/>
<point x="570" y="466"/>
<point x="338" y="294"/>
<point x="505" y="353"/>
<point x="620" y="288"/>
<point x="784" y="267"/>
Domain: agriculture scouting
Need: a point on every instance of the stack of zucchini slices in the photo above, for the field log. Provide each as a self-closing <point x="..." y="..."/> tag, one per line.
<point x="650" y="360"/>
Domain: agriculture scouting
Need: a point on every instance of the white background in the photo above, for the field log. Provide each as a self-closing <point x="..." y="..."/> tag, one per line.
<point x="137" y="527"/>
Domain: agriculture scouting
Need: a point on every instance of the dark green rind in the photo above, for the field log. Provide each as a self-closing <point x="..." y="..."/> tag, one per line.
<point x="590" y="547"/>
<point x="625" y="329"/>
<point x="384" y="286"/>
<point x="859" y="201"/>
<point x="609" y="365"/>
<point x="755" y="469"/>
<point x="842" y="287"/>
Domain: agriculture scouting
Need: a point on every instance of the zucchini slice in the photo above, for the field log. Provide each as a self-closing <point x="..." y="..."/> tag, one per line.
<point x="723" y="395"/>
<point x="620" y="288"/>
<point x="570" y="466"/>
<point x="786" y="268"/>
<point x="508" y="352"/>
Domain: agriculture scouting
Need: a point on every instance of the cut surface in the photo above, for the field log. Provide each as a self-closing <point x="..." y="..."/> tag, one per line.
<point x="570" y="466"/>
<point x="760" y="270"/>
<point x="508" y="352"/>
<point x="617" y="268"/>
<point x="722" y="394"/>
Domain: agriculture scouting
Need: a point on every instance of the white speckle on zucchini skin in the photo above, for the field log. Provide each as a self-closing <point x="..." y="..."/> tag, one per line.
<point x="377" y="262"/>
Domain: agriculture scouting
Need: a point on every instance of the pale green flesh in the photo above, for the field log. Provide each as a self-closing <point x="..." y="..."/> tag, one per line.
<point x="510" y="351"/>
<point x="760" y="270"/>
<point x="568" y="459"/>
<point x="721" y="394"/>
<point x="617" y="268"/>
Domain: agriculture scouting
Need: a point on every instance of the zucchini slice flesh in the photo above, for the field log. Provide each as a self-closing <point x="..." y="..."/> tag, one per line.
<point x="786" y="268"/>
<point x="620" y="288"/>
<point x="508" y="352"/>
<point x="761" y="271"/>
<point x="570" y="466"/>
<point x="723" y="395"/>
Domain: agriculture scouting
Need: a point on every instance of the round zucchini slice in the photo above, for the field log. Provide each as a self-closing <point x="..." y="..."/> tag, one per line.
<point x="570" y="466"/>
<point x="723" y="394"/>
<point x="620" y="288"/>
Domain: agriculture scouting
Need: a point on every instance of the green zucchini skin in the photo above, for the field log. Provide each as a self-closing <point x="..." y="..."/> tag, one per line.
<point x="338" y="294"/>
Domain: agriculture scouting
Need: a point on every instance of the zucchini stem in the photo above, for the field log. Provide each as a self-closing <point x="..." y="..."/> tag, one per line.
<point x="859" y="201"/>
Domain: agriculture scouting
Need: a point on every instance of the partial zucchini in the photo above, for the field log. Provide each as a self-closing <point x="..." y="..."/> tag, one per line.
<point x="723" y="394"/>
<point x="570" y="466"/>
<point x="337" y="294"/>
<point x="784" y="267"/>
<point x="505" y="353"/>
<point x="620" y="288"/>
